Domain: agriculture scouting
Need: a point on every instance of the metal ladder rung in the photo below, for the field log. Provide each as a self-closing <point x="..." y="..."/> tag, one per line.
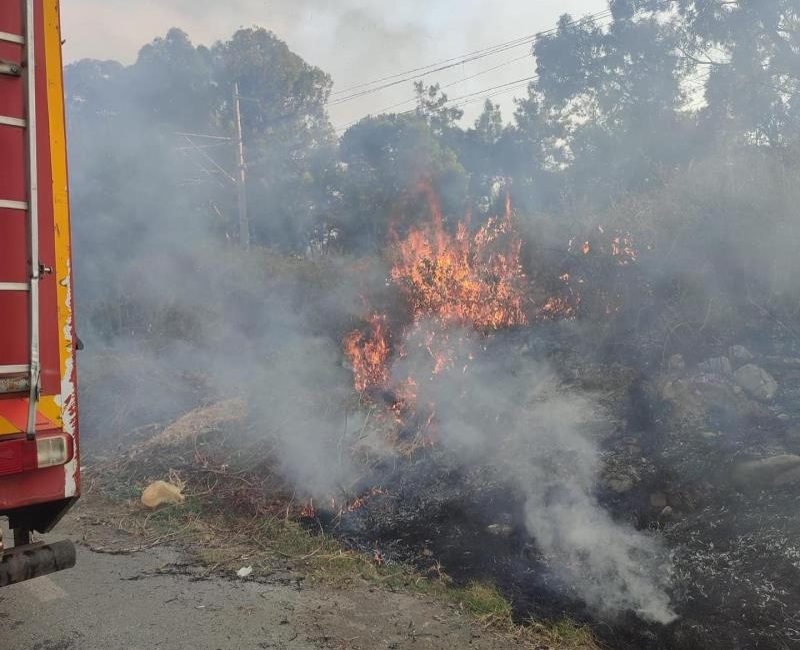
<point x="5" y="120"/>
<point x="10" y="69"/>
<point x="12" y="38"/>
<point x="14" y="370"/>
<point x="13" y="205"/>
<point x="15" y="286"/>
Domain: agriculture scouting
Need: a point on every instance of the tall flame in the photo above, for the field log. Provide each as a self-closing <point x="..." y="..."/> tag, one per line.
<point x="462" y="279"/>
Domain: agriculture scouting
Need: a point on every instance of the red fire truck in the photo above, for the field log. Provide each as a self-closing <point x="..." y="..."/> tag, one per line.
<point x="39" y="470"/>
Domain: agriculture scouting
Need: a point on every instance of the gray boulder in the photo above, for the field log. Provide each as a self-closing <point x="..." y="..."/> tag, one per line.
<point x="676" y="363"/>
<point x="716" y="366"/>
<point x="756" y="381"/>
<point x="773" y="471"/>
<point x="741" y="354"/>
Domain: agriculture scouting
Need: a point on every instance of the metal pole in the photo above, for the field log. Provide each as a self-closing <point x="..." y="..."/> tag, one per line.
<point x="33" y="213"/>
<point x="241" y="177"/>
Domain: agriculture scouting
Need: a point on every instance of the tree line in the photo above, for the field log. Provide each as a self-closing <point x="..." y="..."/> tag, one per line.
<point x="618" y="109"/>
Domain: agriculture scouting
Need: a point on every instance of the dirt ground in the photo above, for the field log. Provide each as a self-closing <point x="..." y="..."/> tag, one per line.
<point x="128" y="593"/>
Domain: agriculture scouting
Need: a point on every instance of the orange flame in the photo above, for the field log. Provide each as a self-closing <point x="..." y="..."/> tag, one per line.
<point x="462" y="279"/>
<point x="465" y="278"/>
<point x="369" y="353"/>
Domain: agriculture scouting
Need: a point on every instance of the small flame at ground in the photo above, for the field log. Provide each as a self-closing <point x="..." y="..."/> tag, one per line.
<point x="369" y="353"/>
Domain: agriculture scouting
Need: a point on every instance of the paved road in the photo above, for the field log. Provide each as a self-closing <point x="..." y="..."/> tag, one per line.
<point x="156" y="599"/>
<point x="129" y="602"/>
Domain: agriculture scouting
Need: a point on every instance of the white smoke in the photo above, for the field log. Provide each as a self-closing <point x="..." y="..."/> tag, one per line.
<point x="510" y="412"/>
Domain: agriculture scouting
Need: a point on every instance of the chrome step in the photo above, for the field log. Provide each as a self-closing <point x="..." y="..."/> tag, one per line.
<point x="15" y="379"/>
<point x="10" y="69"/>
<point x="13" y="205"/>
<point x="14" y="370"/>
<point x="12" y="38"/>
<point x="5" y="120"/>
<point x="15" y="384"/>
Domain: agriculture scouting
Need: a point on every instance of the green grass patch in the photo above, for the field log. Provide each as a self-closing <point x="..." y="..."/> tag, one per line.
<point x="483" y="601"/>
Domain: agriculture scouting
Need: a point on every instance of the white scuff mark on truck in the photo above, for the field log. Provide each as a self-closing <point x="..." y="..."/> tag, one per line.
<point x="69" y="411"/>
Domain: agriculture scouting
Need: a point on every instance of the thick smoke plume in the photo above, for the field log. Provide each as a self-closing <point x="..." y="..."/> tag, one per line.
<point x="512" y="414"/>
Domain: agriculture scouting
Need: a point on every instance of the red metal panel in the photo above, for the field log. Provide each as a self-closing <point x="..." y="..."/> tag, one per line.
<point x="13" y="328"/>
<point x="11" y="17"/>
<point x="13" y="257"/>
<point x="12" y="173"/>
<point x="11" y="457"/>
<point x="14" y="318"/>
<point x="11" y="98"/>
<point x="38" y="486"/>
<point x="15" y="410"/>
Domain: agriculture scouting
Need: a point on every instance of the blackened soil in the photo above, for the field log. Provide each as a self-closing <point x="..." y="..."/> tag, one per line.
<point x="735" y="565"/>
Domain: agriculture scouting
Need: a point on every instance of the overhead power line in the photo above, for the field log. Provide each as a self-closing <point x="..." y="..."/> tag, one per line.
<point x="370" y="87"/>
<point x="456" y="82"/>
<point x="469" y="98"/>
<point x="482" y="93"/>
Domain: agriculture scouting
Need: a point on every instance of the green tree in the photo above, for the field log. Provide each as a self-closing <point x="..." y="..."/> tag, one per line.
<point x="173" y="83"/>
<point x="289" y="141"/>
<point x="749" y="52"/>
<point x="385" y="159"/>
<point x="610" y="101"/>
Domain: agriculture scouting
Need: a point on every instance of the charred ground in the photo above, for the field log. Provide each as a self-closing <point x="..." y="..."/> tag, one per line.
<point x="591" y="403"/>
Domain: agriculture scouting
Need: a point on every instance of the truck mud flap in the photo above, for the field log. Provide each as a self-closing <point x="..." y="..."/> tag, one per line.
<point x="34" y="560"/>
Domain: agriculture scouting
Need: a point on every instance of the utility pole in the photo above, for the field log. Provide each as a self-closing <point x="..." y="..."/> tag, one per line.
<point x="241" y="176"/>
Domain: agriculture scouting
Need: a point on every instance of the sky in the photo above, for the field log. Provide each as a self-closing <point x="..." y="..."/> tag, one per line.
<point x="356" y="41"/>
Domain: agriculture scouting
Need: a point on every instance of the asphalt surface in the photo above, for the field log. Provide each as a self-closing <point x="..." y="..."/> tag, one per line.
<point x="144" y="601"/>
<point x="125" y="594"/>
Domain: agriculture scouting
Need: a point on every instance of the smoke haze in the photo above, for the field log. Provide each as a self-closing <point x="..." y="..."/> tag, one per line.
<point x="355" y="41"/>
<point x="511" y="413"/>
<point x="665" y="238"/>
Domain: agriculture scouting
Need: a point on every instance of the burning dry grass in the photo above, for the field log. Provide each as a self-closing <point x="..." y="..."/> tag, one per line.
<point x="239" y="512"/>
<point x="462" y="279"/>
<point x="447" y="281"/>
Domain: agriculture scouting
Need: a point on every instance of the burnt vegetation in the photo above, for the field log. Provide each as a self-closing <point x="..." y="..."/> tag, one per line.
<point x="513" y="345"/>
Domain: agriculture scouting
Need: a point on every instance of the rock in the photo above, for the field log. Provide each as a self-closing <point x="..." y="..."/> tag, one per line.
<point x="619" y="483"/>
<point x="160" y="492"/>
<point x="667" y="512"/>
<point x="773" y="471"/>
<point x="668" y="391"/>
<point x="676" y="362"/>
<point x="698" y="403"/>
<point x="658" y="500"/>
<point x="741" y="354"/>
<point x="501" y="530"/>
<point x="716" y="366"/>
<point x="792" y="477"/>
<point x="756" y="381"/>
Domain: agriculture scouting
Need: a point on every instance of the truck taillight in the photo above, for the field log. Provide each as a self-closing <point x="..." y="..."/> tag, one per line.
<point x="22" y="455"/>
<point x="52" y="451"/>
